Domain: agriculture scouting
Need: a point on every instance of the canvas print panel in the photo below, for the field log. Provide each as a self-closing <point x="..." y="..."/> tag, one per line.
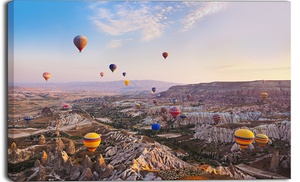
<point x="152" y="90"/>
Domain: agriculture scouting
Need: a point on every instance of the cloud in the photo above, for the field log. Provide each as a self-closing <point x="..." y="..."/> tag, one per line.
<point x="116" y="43"/>
<point x="129" y="17"/>
<point x="200" y="12"/>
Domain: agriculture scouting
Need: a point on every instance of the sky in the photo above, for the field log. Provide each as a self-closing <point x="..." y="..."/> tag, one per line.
<point x="206" y="41"/>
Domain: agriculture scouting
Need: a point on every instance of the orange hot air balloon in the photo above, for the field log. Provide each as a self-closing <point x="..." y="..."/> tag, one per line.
<point x="264" y="95"/>
<point x="101" y="74"/>
<point x="261" y="139"/>
<point x="91" y="141"/>
<point x="46" y="75"/>
<point x="217" y="118"/>
<point x="126" y="82"/>
<point x="165" y="54"/>
<point x="243" y="137"/>
<point x="80" y="42"/>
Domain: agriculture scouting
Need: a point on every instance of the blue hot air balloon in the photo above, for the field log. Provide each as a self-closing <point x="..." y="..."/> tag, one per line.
<point x="155" y="126"/>
<point x="112" y="67"/>
<point x="153" y="89"/>
<point x="124" y="73"/>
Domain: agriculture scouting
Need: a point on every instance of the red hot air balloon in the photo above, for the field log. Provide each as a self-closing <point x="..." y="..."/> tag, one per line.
<point x="154" y="102"/>
<point x="175" y="111"/>
<point x="80" y="42"/>
<point x="101" y="74"/>
<point x="217" y="118"/>
<point x="165" y="54"/>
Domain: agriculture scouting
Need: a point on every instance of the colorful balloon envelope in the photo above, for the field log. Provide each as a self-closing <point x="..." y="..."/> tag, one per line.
<point x="80" y="42"/>
<point x="46" y="75"/>
<point x="137" y="105"/>
<point x="175" y="112"/>
<point x="165" y="54"/>
<point x="243" y="137"/>
<point x="28" y="118"/>
<point x="153" y="89"/>
<point x="112" y="67"/>
<point x="264" y="95"/>
<point x="126" y="82"/>
<point x="261" y="139"/>
<point x="65" y="106"/>
<point x="217" y="118"/>
<point x="154" y="102"/>
<point x="91" y="141"/>
<point x="174" y="101"/>
<point x="124" y="73"/>
<point x="183" y="116"/>
<point x="155" y="127"/>
<point x="101" y="74"/>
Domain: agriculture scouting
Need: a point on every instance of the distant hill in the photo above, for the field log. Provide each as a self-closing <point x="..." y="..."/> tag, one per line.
<point x="135" y="86"/>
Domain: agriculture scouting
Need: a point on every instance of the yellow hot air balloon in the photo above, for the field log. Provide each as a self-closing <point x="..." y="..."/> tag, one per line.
<point x="91" y="141"/>
<point x="243" y="137"/>
<point x="46" y="75"/>
<point x="264" y="95"/>
<point x="126" y="82"/>
<point x="261" y="139"/>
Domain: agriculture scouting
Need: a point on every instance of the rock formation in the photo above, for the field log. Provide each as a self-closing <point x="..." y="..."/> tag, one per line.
<point x="71" y="148"/>
<point x="44" y="158"/>
<point x="42" y="140"/>
<point x="46" y="112"/>
<point x="275" y="161"/>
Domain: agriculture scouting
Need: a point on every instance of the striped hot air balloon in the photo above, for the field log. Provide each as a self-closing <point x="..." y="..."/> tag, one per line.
<point x="243" y="137"/>
<point x="46" y="75"/>
<point x="175" y="111"/>
<point x="217" y="118"/>
<point x="183" y="116"/>
<point x="80" y="42"/>
<point x="91" y="141"/>
<point x="261" y="139"/>
<point x="264" y="95"/>
<point x="28" y="118"/>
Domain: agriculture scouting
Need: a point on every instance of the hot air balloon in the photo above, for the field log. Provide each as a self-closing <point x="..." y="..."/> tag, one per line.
<point x="80" y="42"/>
<point x="138" y="106"/>
<point x="261" y="139"/>
<point x="91" y="141"/>
<point x="188" y="96"/>
<point x="217" y="118"/>
<point x="126" y="82"/>
<point x="153" y="89"/>
<point x="101" y="74"/>
<point x="175" y="111"/>
<point x="174" y="100"/>
<point x="112" y="67"/>
<point x="163" y="110"/>
<point x="65" y="106"/>
<point x="28" y="118"/>
<point x="264" y="95"/>
<point x="46" y="75"/>
<point x="165" y="54"/>
<point x="183" y="116"/>
<point x="243" y="137"/>
<point x="124" y="73"/>
<point x="155" y="127"/>
<point x="183" y="99"/>
<point x="154" y="102"/>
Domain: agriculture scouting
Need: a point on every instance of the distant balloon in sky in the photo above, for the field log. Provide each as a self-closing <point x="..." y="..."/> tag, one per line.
<point x="91" y="141"/>
<point x="153" y="89"/>
<point x="165" y="54"/>
<point x="80" y="42"/>
<point x="264" y="95"/>
<point x="217" y="118"/>
<point x="175" y="111"/>
<point x="46" y="75"/>
<point x="112" y="67"/>
<point x="126" y="82"/>
<point x="101" y="74"/>
<point x="261" y="139"/>
<point x="243" y="137"/>
<point x="124" y="73"/>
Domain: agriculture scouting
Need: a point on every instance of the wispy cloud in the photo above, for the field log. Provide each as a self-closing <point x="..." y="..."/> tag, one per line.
<point x="200" y="12"/>
<point x="124" y="18"/>
<point x="150" y="21"/>
<point x="116" y="43"/>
